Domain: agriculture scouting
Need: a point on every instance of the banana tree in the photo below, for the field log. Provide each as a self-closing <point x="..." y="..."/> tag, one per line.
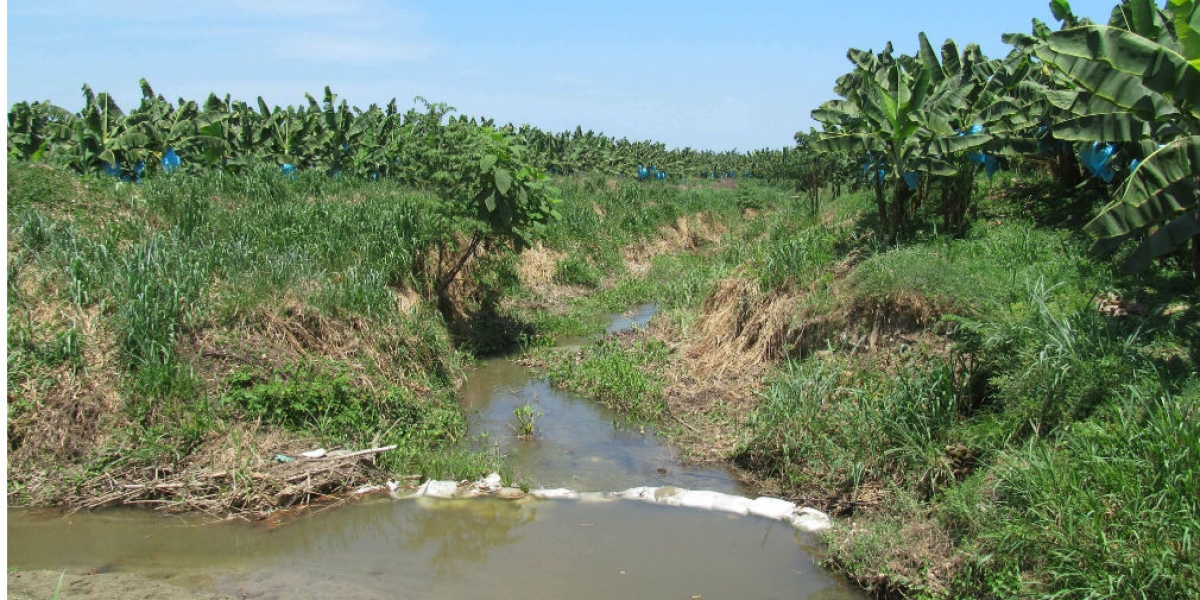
<point x="31" y="129"/>
<point x="975" y="95"/>
<point x="889" y="116"/>
<point x="99" y="138"/>
<point x="179" y="131"/>
<point x="1145" y="65"/>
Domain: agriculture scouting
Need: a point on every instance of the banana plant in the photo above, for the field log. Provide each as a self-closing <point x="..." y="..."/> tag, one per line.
<point x="889" y="116"/>
<point x="1145" y="65"/>
<point x="99" y="138"/>
<point x="30" y="129"/>
<point x="183" y="130"/>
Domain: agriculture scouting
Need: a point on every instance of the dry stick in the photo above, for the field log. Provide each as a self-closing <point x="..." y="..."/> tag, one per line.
<point x="681" y="422"/>
<point x="340" y="457"/>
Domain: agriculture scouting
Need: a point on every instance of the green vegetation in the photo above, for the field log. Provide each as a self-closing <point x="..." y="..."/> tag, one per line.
<point x="526" y="418"/>
<point x="202" y="302"/>
<point x="990" y="377"/>
<point x="619" y="377"/>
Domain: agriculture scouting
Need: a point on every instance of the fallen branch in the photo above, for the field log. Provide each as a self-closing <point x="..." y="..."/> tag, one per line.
<point x="351" y="454"/>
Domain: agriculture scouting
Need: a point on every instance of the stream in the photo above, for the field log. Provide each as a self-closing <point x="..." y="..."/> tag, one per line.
<point x="385" y="548"/>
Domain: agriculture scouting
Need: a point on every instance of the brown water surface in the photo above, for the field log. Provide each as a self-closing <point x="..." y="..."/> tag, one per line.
<point x="446" y="549"/>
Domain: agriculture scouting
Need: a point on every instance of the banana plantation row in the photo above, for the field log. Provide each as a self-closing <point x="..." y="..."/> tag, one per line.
<point x="329" y="136"/>
<point x="1121" y="99"/>
<point x="1117" y="104"/>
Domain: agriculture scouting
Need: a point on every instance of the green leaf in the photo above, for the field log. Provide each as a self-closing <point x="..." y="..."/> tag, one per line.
<point x="1061" y="9"/>
<point x="1164" y="240"/>
<point x="1187" y="27"/>
<point x="487" y="162"/>
<point x="1161" y="188"/>
<point x="1125" y="68"/>
<point x="1112" y="127"/>
<point x="490" y="202"/>
<point x="504" y="181"/>
<point x="956" y="144"/>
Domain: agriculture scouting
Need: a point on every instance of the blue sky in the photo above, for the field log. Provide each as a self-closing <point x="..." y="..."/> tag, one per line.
<point x="709" y="75"/>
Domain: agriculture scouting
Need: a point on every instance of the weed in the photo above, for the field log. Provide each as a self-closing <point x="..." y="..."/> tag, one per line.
<point x="575" y="270"/>
<point x="616" y="375"/>
<point x="525" y="421"/>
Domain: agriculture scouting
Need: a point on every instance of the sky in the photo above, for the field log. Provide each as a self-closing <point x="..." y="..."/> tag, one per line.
<point x="704" y="75"/>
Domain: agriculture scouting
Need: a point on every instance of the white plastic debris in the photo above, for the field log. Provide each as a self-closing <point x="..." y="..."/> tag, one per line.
<point x="392" y="486"/>
<point x="318" y="453"/>
<point x="437" y="489"/>
<point x="491" y="482"/>
<point x="772" y="508"/>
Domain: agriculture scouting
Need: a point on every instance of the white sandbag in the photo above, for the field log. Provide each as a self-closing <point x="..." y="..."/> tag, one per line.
<point x="638" y="493"/>
<point x="555" y="494"/>
<point x="811" y="520"/>
<point x="772" y="508"/>
<point x="731" y="504"/>
<point x="510" y="493"/>
<point x="669" y="495"/>
<point x="595" y="497"/>
<point x="701" y="499"/>
<point x="438" y="489"/>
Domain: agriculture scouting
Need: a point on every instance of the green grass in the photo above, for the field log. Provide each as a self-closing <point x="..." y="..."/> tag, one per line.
<point x="1049" y="451"/>
<point x="619" y="376"/>
<point x="1108" y="509"/>
<point x="216" y="257"/>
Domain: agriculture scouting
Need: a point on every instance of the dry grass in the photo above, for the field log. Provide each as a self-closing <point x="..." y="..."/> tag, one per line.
<point x="687" y="234"/>
<point x="537" y="266"/>
<point x="742" y="330"/>
<point x="76" y="409"/>
<point x="236" y="473"/>
<point x="719" y="364"/>
<point x="925" y="564"/>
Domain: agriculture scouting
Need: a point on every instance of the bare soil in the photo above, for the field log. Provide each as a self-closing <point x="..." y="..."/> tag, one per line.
<point x="39" y="585"/>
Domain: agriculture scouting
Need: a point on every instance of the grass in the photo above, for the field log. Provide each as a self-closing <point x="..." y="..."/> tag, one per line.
<point x="994" y="413"/>
<point x="617" y="376"/>
<point x="202" y="280"/>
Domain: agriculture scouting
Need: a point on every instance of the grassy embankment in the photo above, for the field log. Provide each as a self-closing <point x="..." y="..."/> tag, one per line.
<point x="186" y="330"/>
<point x="995" y="415"/>
<point x="168" y="340"/>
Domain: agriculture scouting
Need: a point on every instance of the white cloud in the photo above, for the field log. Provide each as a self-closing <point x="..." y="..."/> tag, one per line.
<point x="357" y="50"/>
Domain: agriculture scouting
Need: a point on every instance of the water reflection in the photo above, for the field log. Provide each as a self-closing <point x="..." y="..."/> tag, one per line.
<point x="579" y="444"/>
<point x="464" y="531"/>
<point x="449" y="549"/>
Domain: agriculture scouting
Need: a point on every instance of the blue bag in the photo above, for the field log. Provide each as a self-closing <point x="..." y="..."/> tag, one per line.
<point x="1096" y="160"/>
<point x="170" y="160"/>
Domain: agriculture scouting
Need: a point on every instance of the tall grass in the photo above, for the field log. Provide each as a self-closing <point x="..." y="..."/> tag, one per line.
<point x="1110" y="509"/>
<point x="179" y="259"/>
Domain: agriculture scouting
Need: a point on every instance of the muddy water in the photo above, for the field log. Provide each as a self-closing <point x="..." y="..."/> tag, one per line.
<point x="447" y="549"/>
<point x="578" y="444"/>
<point x="383" y="548"/>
